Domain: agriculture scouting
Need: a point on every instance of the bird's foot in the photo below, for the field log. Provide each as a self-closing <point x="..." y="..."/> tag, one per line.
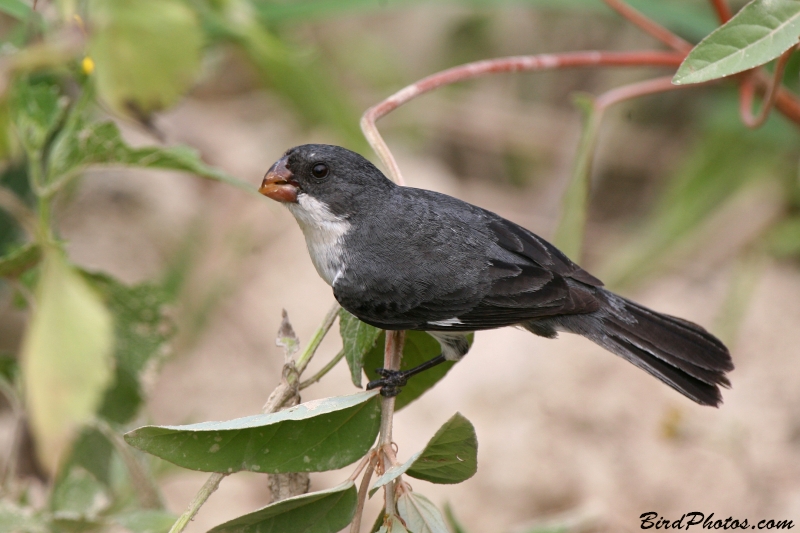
<point x="391" y="382"/>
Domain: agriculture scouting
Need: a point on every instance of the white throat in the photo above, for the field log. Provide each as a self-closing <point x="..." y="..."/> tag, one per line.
<point x="324" y="233"/>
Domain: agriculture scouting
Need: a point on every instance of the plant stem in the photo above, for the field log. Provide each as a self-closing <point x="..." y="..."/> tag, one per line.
<point x="325" y="369"/>
<point x="391" y="361"/>
<point x="494" y="66"/>
<point x="316" y="339"/>
<point x="649" y="26"/>
<point x="208" y="488"/>
<point x="722" y="9"/>
<point x="747" y="91"/>
<point x="355" y="525"/>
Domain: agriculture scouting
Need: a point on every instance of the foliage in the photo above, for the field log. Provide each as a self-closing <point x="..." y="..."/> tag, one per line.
<point x="91" y="340"/>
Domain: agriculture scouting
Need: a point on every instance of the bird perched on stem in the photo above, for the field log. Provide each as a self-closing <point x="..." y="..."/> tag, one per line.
<point x="401" y="258"/>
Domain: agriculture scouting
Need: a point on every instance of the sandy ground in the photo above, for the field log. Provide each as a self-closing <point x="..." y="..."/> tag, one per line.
<point x="563" y="426"/>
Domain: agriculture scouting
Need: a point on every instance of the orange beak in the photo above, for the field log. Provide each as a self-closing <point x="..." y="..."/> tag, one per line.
<point x="279" y="183"/>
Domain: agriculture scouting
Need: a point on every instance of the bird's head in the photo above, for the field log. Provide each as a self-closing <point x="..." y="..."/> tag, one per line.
<point x="340" y="179"/>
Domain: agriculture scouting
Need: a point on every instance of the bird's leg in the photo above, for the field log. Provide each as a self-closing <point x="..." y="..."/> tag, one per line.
<point x="392" y="381"/>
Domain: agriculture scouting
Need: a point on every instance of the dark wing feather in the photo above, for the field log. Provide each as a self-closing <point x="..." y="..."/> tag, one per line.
<point x="527" y="244"/>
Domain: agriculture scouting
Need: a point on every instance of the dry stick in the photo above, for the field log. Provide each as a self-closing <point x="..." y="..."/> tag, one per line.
<point x="286" y="390"/>
<point x="649" y="26"/>
<point x="391" y="361"/>
<point x="747" y="90"/>
<point x="722" y="9"/>
<point x="494" y="66"/>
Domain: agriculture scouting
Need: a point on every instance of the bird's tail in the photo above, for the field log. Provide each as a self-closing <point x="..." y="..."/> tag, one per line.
<point x="681" y="354"/>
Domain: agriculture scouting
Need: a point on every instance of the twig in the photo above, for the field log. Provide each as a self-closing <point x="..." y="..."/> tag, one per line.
<point x="649" y="26"/>
<point x="324" y="370"/>
<point x="391" y="361"/>
<point x="747" y="90"/>
<point x="145" y="489"/>
<point x="208" y="488"/>
<point x="723" y="10"/>
<point x="569" y="234"/>
<point x="494" y="66"/>
<point x="355" y="525"/>
<point x="286" y="390"/>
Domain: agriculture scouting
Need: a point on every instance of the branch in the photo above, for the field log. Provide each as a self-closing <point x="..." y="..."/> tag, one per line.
<point x="747" y="90"/>
<point x="285" y="391"/>
<point x="493" y="66"/>
<point x="723" y="10"/>
<point x="649" y="26"/>
<point x="391" y="361"/>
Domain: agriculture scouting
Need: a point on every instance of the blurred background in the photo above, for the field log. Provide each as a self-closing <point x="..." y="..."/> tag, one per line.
<point x="690" y="213"/>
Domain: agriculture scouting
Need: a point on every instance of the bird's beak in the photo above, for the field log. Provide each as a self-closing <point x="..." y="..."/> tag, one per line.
<point x="279" y="183"/>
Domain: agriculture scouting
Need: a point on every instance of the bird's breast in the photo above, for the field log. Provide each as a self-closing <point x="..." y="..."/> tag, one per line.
<point x="324" y="232"/>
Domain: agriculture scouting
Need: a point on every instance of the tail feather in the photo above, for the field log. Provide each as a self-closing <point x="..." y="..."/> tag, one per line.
<point x="681" y="354"/>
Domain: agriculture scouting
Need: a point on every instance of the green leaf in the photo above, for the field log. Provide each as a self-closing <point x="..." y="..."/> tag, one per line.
<point x="760" y="32"/>
<point x="451" y="456"/>
<point x="66" y="357"/>
<point x="19" y="260"/>
<point x="79" y="496"/>
<point x="392" y="524"/>
<point x="100" y="143"/>
<point x="36" y="109"/>
<point x="142" y="330"/>
<point x="419" y="347"/>
<point x="314" y="436"/>
<point x="14" y="519"/>
<point x="16" y="8"/>
<point x="146" y="53"/>
<point x="145" y="521"/>
<point x="392" y="474"/>
<point x="358" y="338"/>
<point x="326" y="511"/>
<point x="455" y="525"/>
<point x="419" y="514"/>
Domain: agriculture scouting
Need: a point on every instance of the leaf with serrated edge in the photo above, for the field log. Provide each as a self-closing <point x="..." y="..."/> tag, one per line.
<point x="358" y="338"/>
<point x="66" y="357"/>
<point x="760" y="32"/>
<point x="451" y="456"/>
<point x="326" y="511"/>
<point x="393" y="473"/>
<point x="314" y="436"/>
<point x="420" y="514"/>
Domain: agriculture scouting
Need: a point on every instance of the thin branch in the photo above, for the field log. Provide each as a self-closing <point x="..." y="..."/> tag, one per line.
<point x="493" y="66"/>
<point x="355" y="525"/>
<point x="723" y="10"/>
<point x="15" y="207"/>
<point x="391" y="361"/>
<point x="649" y="26"/>
<point x="324" y="370"/>
<point x="747" y="90"/>
<point x="208" y="488"/>
<point x="285" y="391"/>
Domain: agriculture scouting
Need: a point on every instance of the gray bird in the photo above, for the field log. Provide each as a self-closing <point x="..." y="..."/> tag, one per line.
<point x="401" y="258"/>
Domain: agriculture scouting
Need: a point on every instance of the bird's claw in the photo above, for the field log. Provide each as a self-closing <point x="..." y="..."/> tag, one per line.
<point x="391" y="382"/>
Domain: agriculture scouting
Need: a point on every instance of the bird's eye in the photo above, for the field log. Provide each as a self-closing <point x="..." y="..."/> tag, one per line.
<point x="320" y="170"/>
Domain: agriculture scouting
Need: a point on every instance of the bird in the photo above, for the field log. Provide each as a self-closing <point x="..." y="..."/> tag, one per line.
<point x="404" y="258"/>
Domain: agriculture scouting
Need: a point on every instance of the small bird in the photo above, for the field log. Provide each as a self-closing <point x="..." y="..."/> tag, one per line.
<point x="401" y="258"/>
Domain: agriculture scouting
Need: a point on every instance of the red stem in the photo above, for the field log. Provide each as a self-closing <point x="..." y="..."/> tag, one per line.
<point x="723" y="11"/>
<point x="634" y="90"/>
<point x="650" y="26"/>
<point x="494" y="66"/>
<point x="747" y="91"/>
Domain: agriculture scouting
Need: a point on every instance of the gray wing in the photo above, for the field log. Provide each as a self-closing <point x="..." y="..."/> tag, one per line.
<point x="451" y="266"/>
